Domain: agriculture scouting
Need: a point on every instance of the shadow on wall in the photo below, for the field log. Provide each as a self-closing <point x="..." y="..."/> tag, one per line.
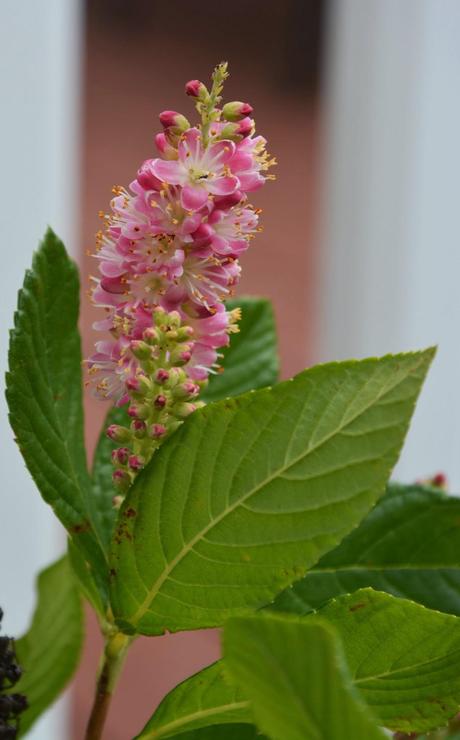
<point x="138" y="57"/>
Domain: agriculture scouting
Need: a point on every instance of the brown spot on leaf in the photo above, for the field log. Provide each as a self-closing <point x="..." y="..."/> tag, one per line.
<point x="81" y="527"/>
<point x="359" y="605"/>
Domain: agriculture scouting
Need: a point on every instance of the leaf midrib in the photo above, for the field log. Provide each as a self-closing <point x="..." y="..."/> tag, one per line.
<point x="394" y="673"/>
<point x="179" y="557"/>
<point x="201" y="714"/>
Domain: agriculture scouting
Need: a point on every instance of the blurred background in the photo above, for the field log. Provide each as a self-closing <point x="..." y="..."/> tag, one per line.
<point x="360" y="251"/>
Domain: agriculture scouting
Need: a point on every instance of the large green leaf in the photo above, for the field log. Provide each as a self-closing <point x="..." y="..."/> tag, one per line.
<point x="251" y="491"/>
<point x="251" y="360"/>
<point x="296" y="676"/>
<point x="44" y="393"/>
<point x="49" y="652"/>
<point x="403" y="658"/>
<point x="205" y="699"/>
<point x="409" y="546"/>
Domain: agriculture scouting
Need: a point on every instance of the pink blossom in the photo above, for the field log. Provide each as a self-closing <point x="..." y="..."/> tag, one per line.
<point x="110" y="367"/>
<point x="227" y="232"/>
<point x="201" y="172"/>
<point x="249" y="161"/>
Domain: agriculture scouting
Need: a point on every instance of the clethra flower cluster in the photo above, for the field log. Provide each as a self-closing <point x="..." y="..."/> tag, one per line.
<point x="11" y="705"/>
<point x="168" y="259"/>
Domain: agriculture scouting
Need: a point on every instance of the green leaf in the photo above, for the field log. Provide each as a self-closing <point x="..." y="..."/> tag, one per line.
<point x="296" y="676"/>
<point x="44" y="393"/>
<point x="251" y="360"/>
<point x="87" y="584"/>
<point x="49" y="652"/>
<point x="251" y="491"/>
<point x="205" y="699"/>
<point x="221" y="732"/>
<point x="403" y="658"/>
<point x="409" y="546"/>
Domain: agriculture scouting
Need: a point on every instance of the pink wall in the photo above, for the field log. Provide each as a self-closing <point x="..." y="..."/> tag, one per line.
<point x="130" y="77"/>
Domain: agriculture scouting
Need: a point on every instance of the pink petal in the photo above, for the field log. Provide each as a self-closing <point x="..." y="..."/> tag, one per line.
<point x="251" y="181"/>
<point x="220" y="245"/>
<point x="237" y="246"/>
<point x="193" y="197"/>
<point x="112" y="269"/>
<point x="221" y="151"/>
<point x="190" y="143"/>
<point x="191" y="223"/>
<point x="223" y="185"/>
<point x="112" y="285"/>
<point x="241" y="161"/>
<point x="169" y="171"/>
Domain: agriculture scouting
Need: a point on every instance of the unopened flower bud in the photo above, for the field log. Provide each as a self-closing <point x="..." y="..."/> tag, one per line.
<point x="120" y="456"/>
<point x="228" y="201"/>
<point x="161" y="376"/>
<point x="144" y="385"/>
<point x="245" y="127"/>
<point x="140" y="349"/>
<point x="176" y="375"/>
<point x="174" y="319"/>
<point x="172" y="118"/>
<point x="196" y="89"/>
<point x="132" y="384"/>
<point x="203" y="234"/>
<point x="151" y="335"/>
<point x="139" y="428"/>
<point x="184" y="333"/>
<point x="136" y="462"/>
<point x="186" y="390"/>
<point x="122" y="480"/>
<point x="439" y="480"/>
<point x="160" y="316"/>
<point x="164" y="147"/>
<point x="160" y="401"/>
<point x="182" y="410"/>
<point x="146" y="178"/>
<point x="138" y="411"/>
<point x="182" y="354"/>
<point x="157" y="431"/>
<point x="117" y="500"/>
<point x="118" y="433"/>
<point x="236" y="110"/>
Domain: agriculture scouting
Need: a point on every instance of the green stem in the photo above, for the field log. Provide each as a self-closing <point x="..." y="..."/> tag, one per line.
<point x="113" y="657"/>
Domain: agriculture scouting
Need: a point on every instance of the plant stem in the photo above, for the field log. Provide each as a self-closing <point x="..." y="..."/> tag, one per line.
<point x="113" y="657"/>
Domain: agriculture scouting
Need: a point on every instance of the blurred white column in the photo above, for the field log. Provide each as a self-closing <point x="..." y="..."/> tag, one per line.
<point x="390" y="272"/>
<point x="39" y="142"/>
